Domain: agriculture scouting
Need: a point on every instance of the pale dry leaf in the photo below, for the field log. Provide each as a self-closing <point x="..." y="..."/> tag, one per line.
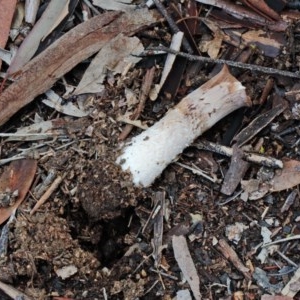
<point x="117" y="56"/>
<point x="175" y="45"/>
<point x="6" y="16"/>
<point x="44" y="70"/>
<point x="234" y="231"/>
<point x="275" y="297"/>
<point x="131" y="98"/>
<point x="288" y="177"/>
<point x="12" y="292"/>
<point x="266" y="251"/>
<point x="263" y="281"/>
<point x="269" y="45"/>
<point x="31" y="9"/>
<point x="118" y="5"/>
<point x="55" y="101"/>
<point x="5" y="56"/>
<point x="126" y="119"/>
<point x="18" y="17"/>
<point x="254" y="189"/>
<point x="183" y="295"/>
<point x="212" y="47"/>
<point x="18" y="176"/>
<point x="293" y="286"/>
<point x="186" y="264"/>
<point x="38" y="131"/>
<point x="53" y="15"/>
<point x="66" y="272"/>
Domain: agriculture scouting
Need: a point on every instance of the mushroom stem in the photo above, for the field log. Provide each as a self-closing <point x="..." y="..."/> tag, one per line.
<point x="148" y="154"/>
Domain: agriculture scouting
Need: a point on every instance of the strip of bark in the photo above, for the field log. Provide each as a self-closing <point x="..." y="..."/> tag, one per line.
<point x="75" y="46"/>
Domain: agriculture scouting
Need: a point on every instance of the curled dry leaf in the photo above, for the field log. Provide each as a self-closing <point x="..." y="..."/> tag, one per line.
<point x="17" y="178"/>
<point x="54" y="13"/>
<point x="186" y="264"/>
<point x="73" y="47"/>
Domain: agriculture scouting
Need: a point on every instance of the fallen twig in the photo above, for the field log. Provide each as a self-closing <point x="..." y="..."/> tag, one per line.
<point x="251" y="157"/>
<point x="231" y="255"/>
<point x="290" y="238"/>
<point x="147" y="82"/>
<point x="12" y="292"/>
<point x="231" y="63"/>
<point x="55" y="184"/>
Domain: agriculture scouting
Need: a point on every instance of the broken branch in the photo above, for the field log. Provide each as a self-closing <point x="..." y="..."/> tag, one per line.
<point x="251" y="157"/>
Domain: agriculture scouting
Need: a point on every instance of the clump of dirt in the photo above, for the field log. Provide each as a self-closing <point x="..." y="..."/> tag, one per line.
<point x="104" y="189"/>
<point x="40" y="246"/>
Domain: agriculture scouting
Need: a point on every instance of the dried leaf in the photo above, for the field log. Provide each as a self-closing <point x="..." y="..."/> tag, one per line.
<point x="213" y="46"/>
<point x="53" y="15"/>
<point x="183" y="295"/>
<point x="119" y="5"/>
<point x="254" y="189"/>
<point x="186" y="264"/>
<point x="263" y="281"/>
<point x="259" y="123"/>
<point x="175" y="45"/>
<point x="293" y="286"/>
<point x="117" y="56"/>
<point x="66" y="272"/>
<point x="46" y="129"/>
<point x="270" y="45"/>
<point x="54" y="101"/>
<point x="234" y="232"/>
<point x="275" y="297"/>
<point x="76" y="45"/>
<point x="6" y="15"/>
<point x="17" y="177"/>
<point x="263" y="9"/>
<point x="13" y="292"/>
<point x="288" y="177"/>
<point x="31" y="9"/>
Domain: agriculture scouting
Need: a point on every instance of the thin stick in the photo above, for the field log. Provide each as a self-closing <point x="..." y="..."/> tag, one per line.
<point x="231" y="255"/>
<point x="147" y="82"/>
<point x="290" y="238"/>
<point x="47" y="194"/>
<point x="173" y="25"/>
<point x="251" y="157"/>
<point x="231" y="63"/>
<point x="12" y="292"/>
